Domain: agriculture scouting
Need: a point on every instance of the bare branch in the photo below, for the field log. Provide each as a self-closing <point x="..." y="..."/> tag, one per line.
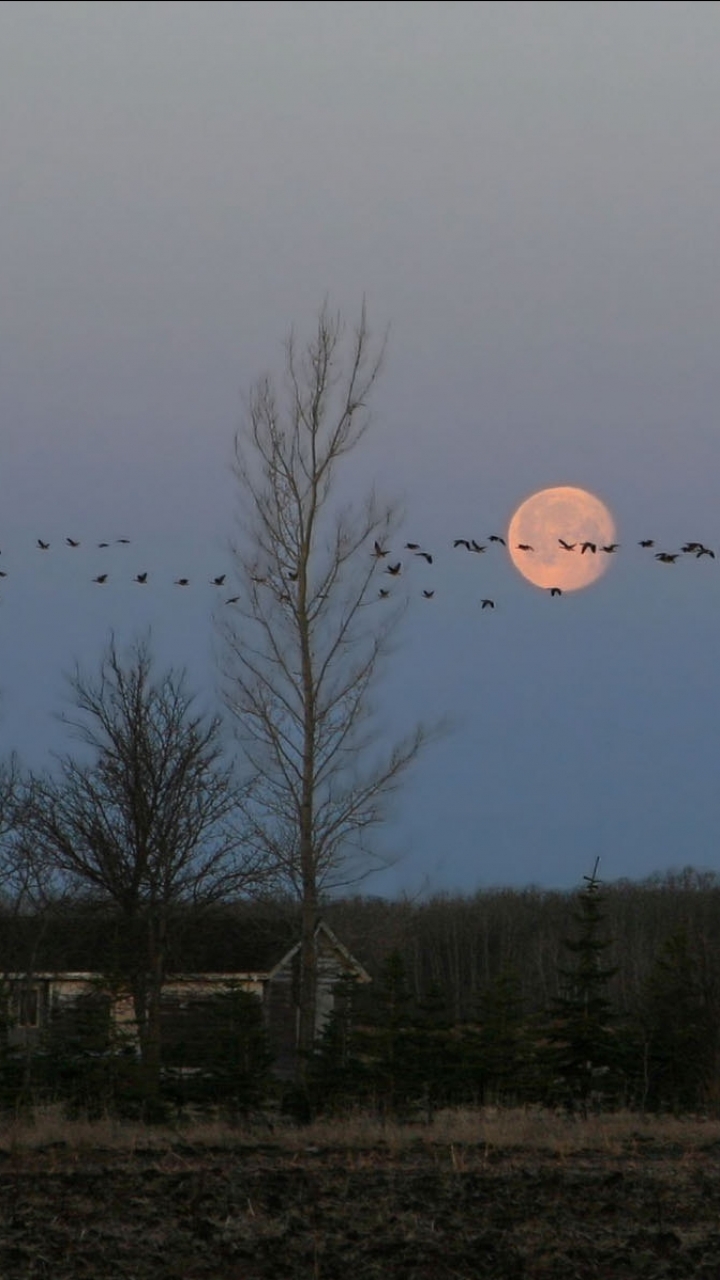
<point x="302" y="653"/>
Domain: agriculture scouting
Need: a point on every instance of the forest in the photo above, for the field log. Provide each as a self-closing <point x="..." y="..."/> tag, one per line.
<point x="600" y="999"/>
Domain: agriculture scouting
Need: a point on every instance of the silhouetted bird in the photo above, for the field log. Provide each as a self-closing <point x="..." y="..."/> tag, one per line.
<point x="462" y="542"/>
<point x="72" y="543"/>
<point x="44" y="546"/>
<point x="567" y="546"/>
<point x="3" y="573"/>
<point x="412" y="546"/>
<point x="691" y="546"/>
<point x="141" y="577"/>
<point x="103" y="544"/>
<point x="102" y="577"/>
<point x="665" y="557"/>
<point x="588" y="546"/>
<point x="524" y="546"/>
<point x="126" y="541"/>
<point x="425" y="555"/>
<point x="475" y="546"/>
<point x="495" y="537"/>
<point x="611" y="546"/>
<point x="555" y="591"/>
<point x="394" y="569"/>
<point x="704" y="551"/>
<point x="487" y="604"/>
<point x="379" y="551"/>
<point x="218" y="582"/>
<point x="646" y="542"/>
<point x="181" y="582"/>
<point x="232" y="600"/>
<point x="428" y="594"/>
<point x="383" y="594"/>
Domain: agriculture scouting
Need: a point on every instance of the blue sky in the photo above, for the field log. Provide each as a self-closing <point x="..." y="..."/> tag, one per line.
<point x="527" y="195"/>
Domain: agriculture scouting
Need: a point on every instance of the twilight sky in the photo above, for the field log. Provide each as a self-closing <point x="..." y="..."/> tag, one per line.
<point x="527" y="194"/>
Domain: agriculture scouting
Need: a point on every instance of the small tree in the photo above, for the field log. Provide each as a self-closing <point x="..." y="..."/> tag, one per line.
<point x="304" y="643"/>
<point x="147" y="822"/>
<point x="582" y="1047"/>
<point x="680" y="1022"/>
<point x="502" y="1045"/>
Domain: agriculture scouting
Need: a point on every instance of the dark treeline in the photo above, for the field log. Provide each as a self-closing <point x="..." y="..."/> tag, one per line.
<point x="606" y="997"/>
<point x="462" y="942"/>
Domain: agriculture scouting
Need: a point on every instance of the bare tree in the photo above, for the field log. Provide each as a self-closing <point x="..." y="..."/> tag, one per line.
<point x="304" y="641"/>
<point x="147" y="822"/>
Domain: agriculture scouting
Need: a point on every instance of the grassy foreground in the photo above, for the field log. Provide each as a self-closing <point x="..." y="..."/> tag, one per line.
<point x="478" y="1194"/>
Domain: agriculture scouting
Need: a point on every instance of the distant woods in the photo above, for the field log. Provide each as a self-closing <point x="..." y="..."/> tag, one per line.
<point x="602" y="998"/>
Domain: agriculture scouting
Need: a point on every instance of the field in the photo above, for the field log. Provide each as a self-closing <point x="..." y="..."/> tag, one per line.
<point x="506" y="1194"/>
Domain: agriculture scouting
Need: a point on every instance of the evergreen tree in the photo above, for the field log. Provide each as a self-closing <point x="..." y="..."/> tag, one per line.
<point x="338" y="1078"/>
<point x="385" y="1042"/>
<point x="502" y="1048"/>
<point x="582" y="1053"/>
<point x="681" y="1037"/>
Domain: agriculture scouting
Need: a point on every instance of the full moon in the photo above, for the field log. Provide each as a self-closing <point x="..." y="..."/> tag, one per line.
<point x="547" y="519"/>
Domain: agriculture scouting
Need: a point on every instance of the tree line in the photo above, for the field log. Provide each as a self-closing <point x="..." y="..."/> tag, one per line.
<point x="611" y="1021"/>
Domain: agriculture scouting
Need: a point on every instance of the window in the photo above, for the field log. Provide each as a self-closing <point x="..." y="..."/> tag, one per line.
<point x="26" y="1005"/>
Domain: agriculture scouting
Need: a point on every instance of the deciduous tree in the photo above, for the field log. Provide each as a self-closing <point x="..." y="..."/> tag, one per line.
<point x="304" y="643"/>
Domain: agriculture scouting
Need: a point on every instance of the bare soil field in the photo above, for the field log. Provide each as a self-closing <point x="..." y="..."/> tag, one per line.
<point x="499" y="1196"/>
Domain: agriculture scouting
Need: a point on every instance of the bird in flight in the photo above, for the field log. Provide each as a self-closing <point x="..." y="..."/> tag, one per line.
<point x="555" y="591"/>
<point x="181" y="582"/>
<point x="495" y="537"/>
<point x="462" y="542"/>
<point x="102" y="577"/>
<point x="704" y="551"/>
<point x="428" y="594"/>
<point x="666" y="557"/>
<point x="103" y="544"/>
<point x="588" y="546"/>
<point x="126" y="541"/>
<point x="487" y="604"/>
<point x="425" y="555"/>
<point x="232" y="600"/>
<point x="646" y="542"/>
<point x="691" y="546"/>
<point x="611" y="546"/>
<point x="394" y="569"/>
<point x="383" y="594"/>
<point x="218" y="582"/>
<point x="379" y="551"/>
<point x="524" y="546"/>
<point x="141" y="577"/>
<point x="44" y="546"/>
<point x="72" y="542"/>
<point x="567" y="546"/>
<point x="411" y="546"/>
<point x="475" y="546"/>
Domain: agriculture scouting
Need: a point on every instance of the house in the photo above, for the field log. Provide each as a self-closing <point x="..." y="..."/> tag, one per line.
<point x="37" y="995"/>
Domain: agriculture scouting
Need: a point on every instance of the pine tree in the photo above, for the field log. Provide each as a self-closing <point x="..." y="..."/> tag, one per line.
<point x="681" y="1037"/>
<point x="582" y="1052"/>
<point x="502" y="1040"/>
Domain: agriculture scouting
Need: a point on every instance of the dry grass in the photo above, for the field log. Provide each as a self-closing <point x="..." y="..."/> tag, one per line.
<point x="492" y="1129"/>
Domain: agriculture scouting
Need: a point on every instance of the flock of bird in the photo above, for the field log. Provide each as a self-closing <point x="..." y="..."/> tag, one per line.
<point x="579" y="546"/>
<point x="142" y="578"/>
<point x="395" y="567"/>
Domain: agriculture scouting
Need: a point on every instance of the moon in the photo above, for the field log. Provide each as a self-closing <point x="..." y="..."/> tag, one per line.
<point x="576" y="516"/>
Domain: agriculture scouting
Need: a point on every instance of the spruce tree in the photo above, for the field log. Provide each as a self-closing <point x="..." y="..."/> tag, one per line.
<point x="582" y="1054"/>
<point x="680" y="1022"/>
